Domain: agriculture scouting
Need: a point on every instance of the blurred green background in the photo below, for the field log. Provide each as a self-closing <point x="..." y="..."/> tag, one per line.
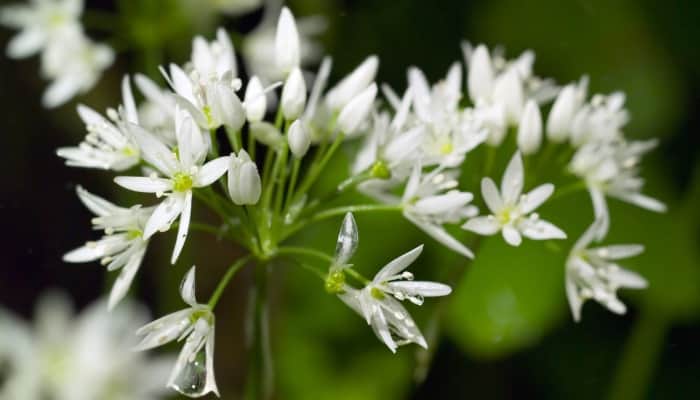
<point x="506" y="331"/>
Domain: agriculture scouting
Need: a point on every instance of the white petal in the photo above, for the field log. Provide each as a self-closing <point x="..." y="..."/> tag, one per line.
<point x="381" y="329"/>
<point x="575" y="300"/>
<point x="287" y="50"/>
<point x="540" y="230"/>
<point x="211" y="171"/>
<point x="226" y="107"/>
<point x="164" y="215"/>
<point x="153" y="150"/>
<point x="187" y="287"/>
<point x="293" y="95"/>
<point x="85" y="253"/>
<point x="628" y="279"/>
<point x="356" y="111"/>
<point x="511" y="235"/>
<point x="126" y="276"/>
<point x="535" y="198"/>
<point x="513" y="180"/>
<point x="600" y="209"/>
<point x="129" y="103"/>
<point x="182" y="230"/>
<point x="492" y="197"/>
<point x="60" y="91"/>
<point x="182" y="85"/>
<point x="348" y="239"/>
<point x="483" y="225"/>
<point x="350" y="86"/>
<point x="163" y="330"/>
<point x="26" y="43"/>
<point x="442" y="203"/>
<point x="642" y="201"/>
<point x="480" y="80"/>
<point x="530" y="129"/>
<point x="617" y="252"/>
<point x="422" y="288"/>
<point x="144" y="184"/>
<point x="439" y="233"/>
<point x="398" y="264"/>
<point x="96" y="204"/>
<point x="588" y="236"/>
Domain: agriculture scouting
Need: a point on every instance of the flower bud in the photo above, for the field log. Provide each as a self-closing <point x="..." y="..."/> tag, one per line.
<point x="508" y="90"/>
<point x="286" y="42"/>
<point x="299" y="139"/>
<point x="530" y="129"/>
<point x="244" y="185"/>
<point x="348" y="88"/>
<point x="293" y="95"/>
<point x="267" y="134"/>
<point x="255" y="103"/>
<point x="357" y="110"/>
<point x="480" y="79"/>
<point x="562" y="114"/>
<point x="224" y="106"/>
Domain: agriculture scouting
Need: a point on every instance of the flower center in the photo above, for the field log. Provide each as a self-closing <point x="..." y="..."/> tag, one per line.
<point x="446" y="148"/>
<point x="182" y="182"/>
<point x="376" y="293"/>
<point x="134" y="234"/>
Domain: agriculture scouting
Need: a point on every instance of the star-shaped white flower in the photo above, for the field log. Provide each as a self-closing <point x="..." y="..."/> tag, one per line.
<point x="379" y="301"/>
<point x="122" y="246"/>
<point x="592" y="273"/>
<point x="108" y="144"/>
<point x="193" y="374"/>
<point x="512" y="211"/>
<point x="183" y="170"/>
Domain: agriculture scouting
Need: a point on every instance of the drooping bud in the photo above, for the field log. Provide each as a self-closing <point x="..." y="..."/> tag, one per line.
<point x="508" y="90"/>
<point x="480" y="79"/>
<point x="530" y="129"/>
<point x="255" y="103"/>
<point x="293" y="95"/>
<point x="298" y="139"/>
<point x="286" y="42"/>
<point x="244" y="186"/>
<point x="561" y="116"/>
<point x="348" y="88"/>
<point x="356" y="111"/>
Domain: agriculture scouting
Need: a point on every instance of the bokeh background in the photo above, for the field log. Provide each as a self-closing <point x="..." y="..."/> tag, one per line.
<point x="506" y="331"/>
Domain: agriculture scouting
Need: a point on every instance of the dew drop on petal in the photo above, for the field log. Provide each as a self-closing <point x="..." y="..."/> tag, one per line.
<point x="192" y="379"/>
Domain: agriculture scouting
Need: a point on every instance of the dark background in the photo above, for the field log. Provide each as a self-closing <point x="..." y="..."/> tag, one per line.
<point x="648" y="49"/>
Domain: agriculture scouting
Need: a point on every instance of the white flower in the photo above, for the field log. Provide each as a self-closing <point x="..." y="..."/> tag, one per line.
<point x="157" y="111"/>
<point x="193" y="374"/>
<point x="430" y="201"/>
<point x="40" y="22"/>
<point x="77" y="357"/>
<point x="182" y="172"/>
<point x="254" y="102"/>
<point x="107" y="144"/>
<point x="353" y="84"/>
<point x="512" y="213"/>
<point x="530" y="129"/>
<point x="298" y="138"/>
<point x="74" y="63"/>
<point x="244" y="185"/>
<point x="293" y="95"/>
<point x="481" y="75"/>
<point x="213" y="60"/>
<point x="599" y="120"/>
<point x="378" y="304"/>
<point x="287" y="47"/>
<point x="564" y="110"/>
<point x="123" y="245"/>
<point x="355" y="112"/>
<point x="612" y="169"/>
<point x="449" y="133"/>
<point x="592" y="273"/>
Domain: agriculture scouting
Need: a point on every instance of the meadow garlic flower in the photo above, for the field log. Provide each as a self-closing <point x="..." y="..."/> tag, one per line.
<point x="352" y="84"/>
<point x="512" y="211"/>
<point x="592" y="273"/>
<point x="254" y="101"/>
<point x="73" y="63"/>
<point x="287" y="47"/>
<point x="430" y="200"/>
<point x="77" y="357"/>
<point x="293" y="95"/>
<point x="298" y="139"/>
<point x="40" y="22"/>
<point x="108" y="144"/>
<point x="244" y="185"/>
<point x="354" y="114"/>
<point x="530" y="130"/>
<point x="183" y="171"/>
<point x="193" y="373"/>
<point x="565" y="108"/>
<point x="600" y="120"/>
<point x="379" y="301"/>
<point x="157" y="111"/>
<point x="449" y="134"/>
<point x="123" y="245"/>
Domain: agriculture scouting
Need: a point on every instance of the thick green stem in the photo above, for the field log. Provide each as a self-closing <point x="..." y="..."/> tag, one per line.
<point x="636" y="368"/>
<point x="235" y="138"/>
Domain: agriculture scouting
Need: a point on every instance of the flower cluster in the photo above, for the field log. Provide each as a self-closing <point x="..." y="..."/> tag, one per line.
<point x="251" y="148"/>
<point x="69" y="58"/>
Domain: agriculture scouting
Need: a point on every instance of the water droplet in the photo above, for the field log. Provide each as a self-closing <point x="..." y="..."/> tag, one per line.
<point x="192" y="379"/>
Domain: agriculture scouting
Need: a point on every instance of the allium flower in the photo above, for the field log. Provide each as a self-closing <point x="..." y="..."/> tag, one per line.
<point x="83" y="357"/>
<point x="352" y="85"/>
<point x="512" y="213"/>
<point x="287" y="48"/>
<point x="449" y="134"/>
<point x="293" y="95"/>
<point x="377" y="302"/>
<point x="193" y="374"/>
<point x="431" y="200"/>
<point x="612" y="169"/>
<point x="298" y="139"/>
<point x="354" y="115"/>
<point x="592" y="273"/>
<point x="565" y="108"/>
<point x="123" y="245"/>
<point x="74" y="63"/>
<point x="183" y="171"/>
<point x="254" y="101"/>
<point x="40" y="22"/>
<point x="244" y="186"/>
<point x="108" y="144"/>
<point x="600" y="120"/>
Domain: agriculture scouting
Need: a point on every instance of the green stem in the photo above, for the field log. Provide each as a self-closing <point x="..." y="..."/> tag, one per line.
<point x="296" y="164"/>
<point x="304" y="251"/>
<point x="235" y="138"/>
<point x="316" y="169"/>
<point x="340" y="211"/>
<point x="226" y="279"/>
<point x="639" y="357"/>
<point x="214" y="143"/>
<point x="571" y="188"/>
